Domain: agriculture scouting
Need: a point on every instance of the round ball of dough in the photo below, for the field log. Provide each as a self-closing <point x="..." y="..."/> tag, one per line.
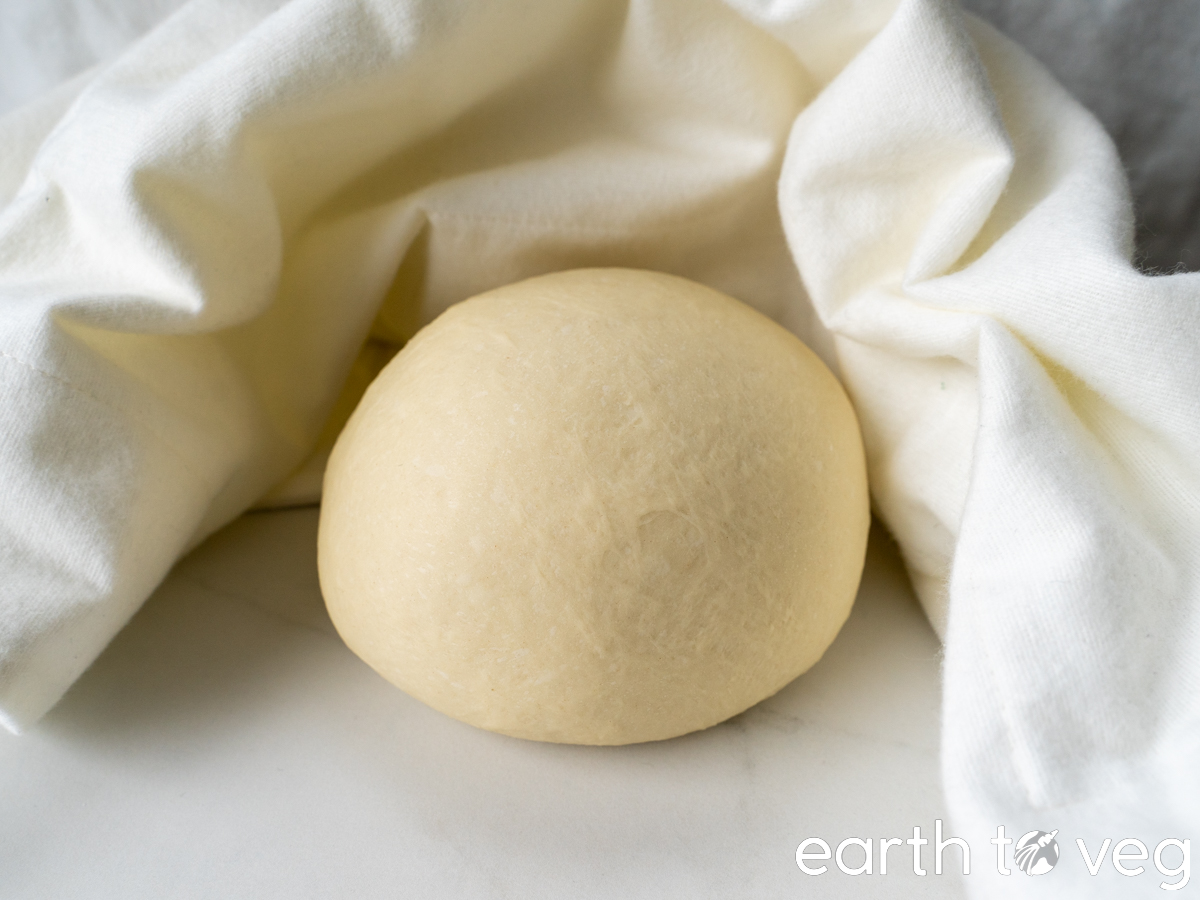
<point x="597" y="507"/>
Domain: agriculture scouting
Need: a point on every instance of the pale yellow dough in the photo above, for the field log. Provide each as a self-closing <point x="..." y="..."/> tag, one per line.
<point x="596" y="507"/>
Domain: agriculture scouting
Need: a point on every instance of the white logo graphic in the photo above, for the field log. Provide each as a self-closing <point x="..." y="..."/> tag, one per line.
<point x="1036" y="852"/>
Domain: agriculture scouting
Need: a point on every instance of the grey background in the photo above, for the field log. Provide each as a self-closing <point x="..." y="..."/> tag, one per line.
<point x="1136" y="65"/>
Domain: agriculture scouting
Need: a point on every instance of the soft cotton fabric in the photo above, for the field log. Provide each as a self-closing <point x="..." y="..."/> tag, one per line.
<point x="1136" y="65"/>
<point x="198" y="238"/>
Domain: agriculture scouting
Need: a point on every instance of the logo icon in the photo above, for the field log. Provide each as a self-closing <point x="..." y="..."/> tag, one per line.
<point x="1036" y="853"/>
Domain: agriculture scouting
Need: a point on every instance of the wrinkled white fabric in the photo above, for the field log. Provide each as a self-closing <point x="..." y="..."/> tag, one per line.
<point x="1136" y="66"/>
<point x="198" y="236"/>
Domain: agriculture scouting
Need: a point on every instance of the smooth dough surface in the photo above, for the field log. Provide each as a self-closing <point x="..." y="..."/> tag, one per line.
<point x="599" y="507"/>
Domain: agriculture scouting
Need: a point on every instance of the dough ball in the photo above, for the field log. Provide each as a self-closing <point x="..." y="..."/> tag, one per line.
<point x="596" y="507"/>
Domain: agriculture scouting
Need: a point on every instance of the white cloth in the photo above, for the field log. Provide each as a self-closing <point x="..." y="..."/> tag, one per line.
<point x="198" y="236"/>
<point x="1136" y="66"/>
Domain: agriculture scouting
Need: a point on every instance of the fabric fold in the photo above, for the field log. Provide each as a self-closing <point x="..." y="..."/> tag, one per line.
<point x="200" y="237"/>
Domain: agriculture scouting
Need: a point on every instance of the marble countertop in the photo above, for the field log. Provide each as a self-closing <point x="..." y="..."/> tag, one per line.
<point x="227" y="744"/>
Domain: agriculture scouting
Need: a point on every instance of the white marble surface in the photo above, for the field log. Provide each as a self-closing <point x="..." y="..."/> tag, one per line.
<point x="228" y="745"/>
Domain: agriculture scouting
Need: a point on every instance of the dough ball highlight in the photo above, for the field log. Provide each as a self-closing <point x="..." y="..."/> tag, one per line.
<point x="598" y="507"/>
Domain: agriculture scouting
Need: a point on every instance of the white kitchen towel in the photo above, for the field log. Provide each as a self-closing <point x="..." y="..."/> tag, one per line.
<point x="198" y="236"/>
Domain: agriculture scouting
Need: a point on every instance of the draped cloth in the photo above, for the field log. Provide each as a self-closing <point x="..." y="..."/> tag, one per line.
<point x="210" y="242"/>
